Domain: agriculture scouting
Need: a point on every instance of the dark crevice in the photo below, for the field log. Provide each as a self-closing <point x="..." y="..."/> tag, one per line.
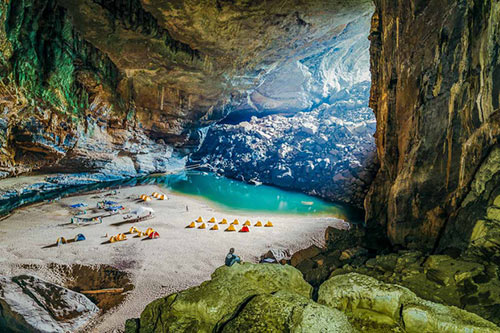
<point x="219" y="327"/>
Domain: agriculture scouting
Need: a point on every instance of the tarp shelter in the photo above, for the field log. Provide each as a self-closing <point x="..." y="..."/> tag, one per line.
<point x="79" y="205"/>
<point x="245" y="229"/>
<point x="113" y="208"/>
<point x="109" y="202"/>
<point x="258" y="224"/>
<point x="154" y="235"/>
<point x="268" y="224"/>
<point x="79" y="237"/>
<point x="143" y="211"/>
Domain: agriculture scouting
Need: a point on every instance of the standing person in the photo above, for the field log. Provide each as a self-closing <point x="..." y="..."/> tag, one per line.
<point x="187" y="208"/>
<point x="232" y="258"/>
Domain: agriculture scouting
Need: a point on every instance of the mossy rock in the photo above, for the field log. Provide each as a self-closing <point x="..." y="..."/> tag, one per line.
<point x="368" y="301"/>
<point x="287" y="312"/>
<point x="214" y="302"/>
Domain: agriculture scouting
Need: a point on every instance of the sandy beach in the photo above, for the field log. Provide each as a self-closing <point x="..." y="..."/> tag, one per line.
<point x="179" y="259"/>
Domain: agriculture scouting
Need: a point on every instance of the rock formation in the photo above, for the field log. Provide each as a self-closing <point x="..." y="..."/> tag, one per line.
<point x="436" y="97"/>
<point x="124" y="86"/>
<point x="29" y="304"/>
<point x="272" y="297"/>
<point x="328" y="152"/>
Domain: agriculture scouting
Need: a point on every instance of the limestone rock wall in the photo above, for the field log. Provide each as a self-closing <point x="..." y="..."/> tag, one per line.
<point x="436" y="96"/>
<point x="88" y="84"/>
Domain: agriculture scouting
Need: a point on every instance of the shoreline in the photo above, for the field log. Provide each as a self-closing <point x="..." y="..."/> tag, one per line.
<point x="179" y="259"/>
<point x="354" y="215"/>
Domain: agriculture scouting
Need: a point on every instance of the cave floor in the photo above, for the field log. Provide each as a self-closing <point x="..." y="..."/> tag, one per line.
<point x="179" y="259"/>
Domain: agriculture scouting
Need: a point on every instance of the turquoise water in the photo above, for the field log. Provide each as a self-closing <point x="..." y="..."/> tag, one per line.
<point x="236" y="195"/>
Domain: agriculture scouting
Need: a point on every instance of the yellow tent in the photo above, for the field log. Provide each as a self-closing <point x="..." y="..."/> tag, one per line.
<point x="202" y="226"/>
<point x="258" y="224"/>
<point x="191" y="225"/>
<point x="133" y="230"/>
<point x="231" y="228"/>
<point x="139" y="233"/>
<point x="247" y="223"/>
<point x="112" y="239"/>
<point x="147" y="198"/>
<point x="268" y="224"/>
<point x="215" y="227"/>
<point x="61" y="240"/>
<point x="121" y="237"/>
<point x="161" y="197"/>
<point x="199" y="219"/>
<point x="236" y="222"/>
<point x="155" y="194"/>
<point x="143" y="197"/>
<point x="149" y="230"/>
<point x="224" y="221"/>
<point x="212" y="220"/>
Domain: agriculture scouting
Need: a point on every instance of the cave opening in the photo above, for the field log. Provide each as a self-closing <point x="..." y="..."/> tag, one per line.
<point x="307" y="125"/>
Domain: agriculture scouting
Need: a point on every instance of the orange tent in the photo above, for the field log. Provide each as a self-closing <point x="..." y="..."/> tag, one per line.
<point x="199" y="219"/>
<point x="258" y="224"/>
<point x="112" y="239"/>
<point x="161" y="197"/>
<point x="247" y="223"/>
<point x="230" y="228"/>
<point x="202" y="226"/>
<point x="215" y="227"/>
<point x="154" y="235"/>
<point x="268" y="224"/>
<point x="212" y="220"/>
<point x="224" y="221"/>
<point x="191" y="225"/>
<point x="236" y="222"/>
<point x="245" y="229"/>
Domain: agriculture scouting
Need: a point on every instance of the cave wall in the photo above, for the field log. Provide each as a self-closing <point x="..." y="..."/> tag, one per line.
<point x="125" y="85"/>
<point x="436" y="96"/>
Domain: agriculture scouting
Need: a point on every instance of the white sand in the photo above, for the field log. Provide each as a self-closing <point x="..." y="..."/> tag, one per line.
<point x="179" y="259"/>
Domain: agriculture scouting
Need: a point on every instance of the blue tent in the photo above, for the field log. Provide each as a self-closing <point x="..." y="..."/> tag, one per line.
<point x="79" y="237"/>
<point x="109" y="202"/>
<point x="78" y="205"/>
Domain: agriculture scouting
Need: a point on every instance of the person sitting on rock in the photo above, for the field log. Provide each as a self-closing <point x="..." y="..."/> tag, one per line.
<point x="232" y="258"/>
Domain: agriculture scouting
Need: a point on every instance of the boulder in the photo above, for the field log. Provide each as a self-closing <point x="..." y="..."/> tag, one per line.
<point x="214" y="302"/>
<point x="29" y="304"/>
<point x="304" y="254"/>
<point x="287" y="312"/>
<point x="369" y="301"/>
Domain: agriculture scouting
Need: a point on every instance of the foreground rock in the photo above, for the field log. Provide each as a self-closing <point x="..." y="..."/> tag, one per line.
<point x="29" y="304"/>
<point x="213" y="303"/>
<point x="287" y="312"/>
<point x="389" y="307"/>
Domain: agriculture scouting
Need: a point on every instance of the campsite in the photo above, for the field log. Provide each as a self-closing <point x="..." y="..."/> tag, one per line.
<point x="173" y="258"/>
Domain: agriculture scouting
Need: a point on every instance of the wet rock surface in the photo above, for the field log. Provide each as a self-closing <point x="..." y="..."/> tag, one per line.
<point x="31" y="304"/>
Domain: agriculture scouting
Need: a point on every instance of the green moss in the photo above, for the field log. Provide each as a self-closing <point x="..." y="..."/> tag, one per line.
<point x="47" y="54"/>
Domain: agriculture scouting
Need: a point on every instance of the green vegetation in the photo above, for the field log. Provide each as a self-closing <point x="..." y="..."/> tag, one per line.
<point x="47" y="55"/>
